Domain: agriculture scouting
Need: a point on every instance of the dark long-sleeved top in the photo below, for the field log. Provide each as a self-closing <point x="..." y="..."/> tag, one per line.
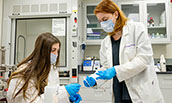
<point x="119" y="88"/>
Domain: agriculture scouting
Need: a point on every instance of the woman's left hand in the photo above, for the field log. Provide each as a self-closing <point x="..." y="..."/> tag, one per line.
<point x="107" y="74"/>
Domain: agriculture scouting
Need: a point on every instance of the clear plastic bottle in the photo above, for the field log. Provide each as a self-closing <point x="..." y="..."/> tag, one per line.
<point x="157" y="35"/>
<point x="163" y="63"/>
<point x="51" y="93"/>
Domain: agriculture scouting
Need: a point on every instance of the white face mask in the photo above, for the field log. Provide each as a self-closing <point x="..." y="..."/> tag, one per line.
<point x="53" y="58"/>
<point x="108" y="26"/>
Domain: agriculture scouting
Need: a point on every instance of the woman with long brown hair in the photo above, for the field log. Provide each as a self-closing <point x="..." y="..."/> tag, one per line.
<point x="27" y="83"/>
<point x="127" y="58"/>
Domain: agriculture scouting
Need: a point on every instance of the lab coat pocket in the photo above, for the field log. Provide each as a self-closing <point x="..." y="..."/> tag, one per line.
<point x="145" y="91"/>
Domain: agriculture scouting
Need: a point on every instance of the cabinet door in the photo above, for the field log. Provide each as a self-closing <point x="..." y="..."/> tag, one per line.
<point x="153" y="14"/>
<point x="131" y="11"/>
<point x="157" y="22"/>
<point x="27" y="30"/>
<point x="93" y="26"/>
<point x="94" y="32"/>
<point x="165" y="83"/>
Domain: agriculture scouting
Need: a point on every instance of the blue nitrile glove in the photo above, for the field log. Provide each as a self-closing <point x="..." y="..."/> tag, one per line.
<point x="89" y="81"/>
<point x="72" y="89"/>
<point x="76" y="98"/>
<point x="107" y="74"/>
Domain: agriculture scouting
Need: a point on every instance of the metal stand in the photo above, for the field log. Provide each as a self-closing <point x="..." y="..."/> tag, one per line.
<point x="5" y="72"/>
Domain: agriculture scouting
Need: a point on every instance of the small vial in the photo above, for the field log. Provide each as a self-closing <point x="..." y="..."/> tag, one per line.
<point x="153" y="35"/>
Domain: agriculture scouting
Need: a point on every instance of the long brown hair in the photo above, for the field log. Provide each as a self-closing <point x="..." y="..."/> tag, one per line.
<point x="108" y="6"/>
<point x="38" y="64"/>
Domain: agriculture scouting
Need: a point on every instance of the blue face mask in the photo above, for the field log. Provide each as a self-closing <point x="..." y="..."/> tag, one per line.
<point x="53" y="58"/>
<point x="108" y="26"/>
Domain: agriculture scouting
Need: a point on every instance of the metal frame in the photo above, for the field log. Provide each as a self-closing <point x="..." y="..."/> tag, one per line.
<point x="13" y="32"/>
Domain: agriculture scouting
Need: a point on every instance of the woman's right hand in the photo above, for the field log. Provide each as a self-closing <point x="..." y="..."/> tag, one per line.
<point x="89" y="81"/>
<point x="72" y="89"/>
<point x="76" y="98"/>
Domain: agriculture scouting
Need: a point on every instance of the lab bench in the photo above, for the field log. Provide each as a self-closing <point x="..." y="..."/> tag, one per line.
<point x="91" y="95"/>
<point x="168" y="72"/>
<point x="102" y="94"/>
<point x="165" y="83"/>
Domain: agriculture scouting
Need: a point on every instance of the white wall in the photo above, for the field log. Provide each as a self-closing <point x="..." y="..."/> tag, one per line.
<point x="92" y="50"/>
<point x="1" y="8"/>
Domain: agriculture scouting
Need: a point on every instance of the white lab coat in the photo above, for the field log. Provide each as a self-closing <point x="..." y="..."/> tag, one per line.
<point x="136" y="63"/>
<point x="32" y="92"/>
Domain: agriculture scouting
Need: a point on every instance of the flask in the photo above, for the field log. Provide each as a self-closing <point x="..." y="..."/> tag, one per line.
<point x="51" y="93"/>
<point x="163" y="63"/>
<point x="153" y="35"/>
<point x="161" y="35"/>
<point x="157" y="35"/>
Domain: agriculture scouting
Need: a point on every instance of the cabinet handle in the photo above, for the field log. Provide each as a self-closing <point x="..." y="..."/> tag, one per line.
<point x="24" y="54"/>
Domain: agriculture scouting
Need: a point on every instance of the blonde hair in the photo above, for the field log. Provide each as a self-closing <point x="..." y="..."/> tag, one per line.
<point x="108" y="6"/>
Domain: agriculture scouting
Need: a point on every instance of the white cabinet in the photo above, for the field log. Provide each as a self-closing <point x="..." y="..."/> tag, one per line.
<point x="154" y="14"/>
<point x="165" y="83"/>
<point x="93" y="33"/>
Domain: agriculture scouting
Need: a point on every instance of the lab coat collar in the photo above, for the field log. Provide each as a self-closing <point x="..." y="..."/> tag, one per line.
<point x="125" y="30"/>
<point x="108" y="46"/>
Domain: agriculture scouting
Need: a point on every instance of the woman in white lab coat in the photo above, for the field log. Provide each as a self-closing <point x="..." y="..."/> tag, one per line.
<point x="127" y="57"/>
<point x="26" y="84"/>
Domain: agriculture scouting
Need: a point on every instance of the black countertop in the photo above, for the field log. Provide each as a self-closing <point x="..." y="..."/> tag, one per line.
<point x="91" y="72"/>
<point x="86" y="72"/>
<point x="168" y="72"/>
